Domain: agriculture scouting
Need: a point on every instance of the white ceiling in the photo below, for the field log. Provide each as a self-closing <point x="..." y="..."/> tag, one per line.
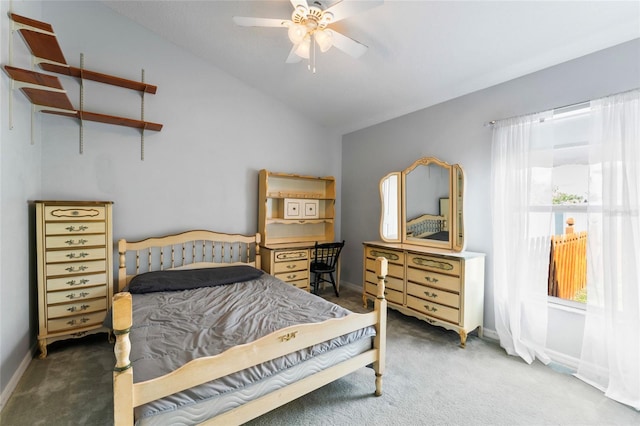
<point x="420" y="52"/>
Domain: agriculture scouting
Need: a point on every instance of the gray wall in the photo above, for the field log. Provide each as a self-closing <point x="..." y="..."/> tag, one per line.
<point x="454" y="131"/>
<point x="200" y="171"/>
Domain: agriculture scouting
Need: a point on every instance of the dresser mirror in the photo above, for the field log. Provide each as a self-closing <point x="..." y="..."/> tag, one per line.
<point x="423" y="205"/>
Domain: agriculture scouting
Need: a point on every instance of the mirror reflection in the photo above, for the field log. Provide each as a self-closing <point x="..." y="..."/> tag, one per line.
<point x="427" y="201"/>
<point x="390" y="217"/>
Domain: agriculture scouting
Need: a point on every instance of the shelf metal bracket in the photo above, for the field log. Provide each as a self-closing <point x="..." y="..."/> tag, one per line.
<point x="142" y="119"/>
<point x="81" y="130"/>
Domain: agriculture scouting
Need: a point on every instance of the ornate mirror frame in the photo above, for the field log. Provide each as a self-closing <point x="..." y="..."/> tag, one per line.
<point x="441" y="225"/>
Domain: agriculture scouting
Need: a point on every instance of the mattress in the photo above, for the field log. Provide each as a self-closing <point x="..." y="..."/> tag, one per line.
<point x="199" y="412"/>
<point x="171" y="328"/>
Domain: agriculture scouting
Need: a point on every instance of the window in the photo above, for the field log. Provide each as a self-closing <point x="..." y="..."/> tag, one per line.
<point x="570" y="177"/>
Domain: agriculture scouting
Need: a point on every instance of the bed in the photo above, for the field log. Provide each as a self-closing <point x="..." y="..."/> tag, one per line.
<point x="428" y="226"/>
<point x="233" y="348"/>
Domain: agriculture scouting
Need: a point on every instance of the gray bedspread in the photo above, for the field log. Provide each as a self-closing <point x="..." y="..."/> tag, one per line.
<point x="172" y="328"/>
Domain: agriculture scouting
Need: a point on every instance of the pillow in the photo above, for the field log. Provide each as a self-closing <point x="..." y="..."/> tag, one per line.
<point x="176" y="280"/>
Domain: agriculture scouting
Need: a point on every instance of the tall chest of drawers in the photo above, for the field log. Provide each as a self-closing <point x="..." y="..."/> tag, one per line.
<point x="443" y="289"/>
<point x="74" y="245"/>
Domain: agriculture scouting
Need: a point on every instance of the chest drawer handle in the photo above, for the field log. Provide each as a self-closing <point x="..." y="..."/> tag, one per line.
<point x="81" y="321"/>
<point x="80" y="296"/>
<point x="74" y="282"/>
<point x="76" y="308"/>
<point x="80" y="242"/>
<point x="292" y="276"/>
<point x="78" y="269"/>
<point x="432" y="295"/>
<point x="430" y="309"/>
<point x="77" y="255"/>
<point x="431" y="280"/>
<point x="74" y="229"/>
<point x="292" y="266"/>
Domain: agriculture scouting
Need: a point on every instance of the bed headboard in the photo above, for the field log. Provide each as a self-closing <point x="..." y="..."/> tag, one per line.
<point x="191" y="249"/>
<point x="425" y="225"/>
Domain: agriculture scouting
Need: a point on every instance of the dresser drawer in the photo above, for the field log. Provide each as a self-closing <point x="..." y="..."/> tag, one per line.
<point x="301" y="284"/>
<point x="391" y="295"/>
<point x="70" y="309"/>
<point x="54" y="297"/>
<point x="68" y="283"/>
<point x="393" y="269"/>
<point x="434" y="295"/>
<point x="76" y="267"/>
<point x="285" y="256"/>
<point x="433" y="309"/>
<point x="392" y="283"/>
<point x="293" y="275"/>
<point x="78" y="321"/>
<point x="290" y="266"/>
<point x="391" y="255"/>
<point x="70" y="212"/>
<point x="77" y="254"/>
<point x="62" y="241"/>
<point x="437" y="264"/>
<point x="433" y="279"/>
<point x="75" y="228"/>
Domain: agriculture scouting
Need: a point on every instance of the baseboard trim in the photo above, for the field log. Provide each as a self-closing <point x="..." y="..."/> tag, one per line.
<point x="11" y="386"/>
<point x="490" y="334"/>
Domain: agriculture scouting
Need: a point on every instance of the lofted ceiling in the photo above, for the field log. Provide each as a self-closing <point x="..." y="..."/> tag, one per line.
<point x="420" y="52"/>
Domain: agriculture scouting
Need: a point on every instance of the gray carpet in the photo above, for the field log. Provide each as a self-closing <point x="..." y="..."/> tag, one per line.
<point x="429" y="380"/>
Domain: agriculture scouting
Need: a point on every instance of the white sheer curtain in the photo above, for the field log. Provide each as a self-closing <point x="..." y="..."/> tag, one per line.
<point x="522" y="162"/>
<point x="610" y="358"/>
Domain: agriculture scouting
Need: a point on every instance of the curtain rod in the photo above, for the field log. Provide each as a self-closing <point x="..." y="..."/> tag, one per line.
<point x="565" y="107"/>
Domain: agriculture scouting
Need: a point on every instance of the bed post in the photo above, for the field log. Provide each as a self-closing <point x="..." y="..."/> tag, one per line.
<point x="380" y="305"/>
<point x="122" y="264"/>
<point x="122" y="373"/>
<point x="258" y="260"/>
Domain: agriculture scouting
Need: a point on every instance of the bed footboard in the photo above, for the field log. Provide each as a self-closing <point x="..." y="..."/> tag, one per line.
<point x="128" y="395"/>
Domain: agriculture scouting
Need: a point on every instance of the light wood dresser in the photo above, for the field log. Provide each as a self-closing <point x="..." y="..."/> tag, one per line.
<point x="442" y="288"/>
<point x="75" y="266"/>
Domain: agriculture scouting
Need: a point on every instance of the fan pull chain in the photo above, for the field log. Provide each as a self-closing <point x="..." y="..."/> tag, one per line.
<point x="312" y="54"/>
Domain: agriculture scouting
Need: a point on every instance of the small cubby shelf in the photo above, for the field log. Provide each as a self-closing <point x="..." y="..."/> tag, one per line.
<point x="274" y="191"/>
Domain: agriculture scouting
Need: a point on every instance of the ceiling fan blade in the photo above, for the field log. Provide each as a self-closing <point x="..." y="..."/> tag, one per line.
<point x="296" y="3"/>
<point x="346" y="8"/>
<point x="348" y="45"/>
<point x="293" y="58"/>
<point x="244" y="21"/>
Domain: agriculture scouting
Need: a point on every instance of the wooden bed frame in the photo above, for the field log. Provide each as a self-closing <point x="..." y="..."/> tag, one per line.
<point x="210" y="249"/>
<point x="425" y="225"/>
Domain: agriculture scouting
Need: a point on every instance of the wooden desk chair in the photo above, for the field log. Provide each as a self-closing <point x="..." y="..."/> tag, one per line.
<point x="324" y="264"/>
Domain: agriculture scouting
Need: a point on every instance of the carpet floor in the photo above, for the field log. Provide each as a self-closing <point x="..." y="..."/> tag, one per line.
<point x="429" y="380"/>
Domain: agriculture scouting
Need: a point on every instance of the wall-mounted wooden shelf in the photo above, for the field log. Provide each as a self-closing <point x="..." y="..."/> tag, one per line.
<point x="43" y="44"/>
<point x="46" y="92"/>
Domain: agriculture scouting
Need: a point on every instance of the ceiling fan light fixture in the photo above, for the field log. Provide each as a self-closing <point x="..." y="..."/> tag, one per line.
<point x="303" y="48"/>
<point x="324" y="39"/>
<point x="297" y="33"/>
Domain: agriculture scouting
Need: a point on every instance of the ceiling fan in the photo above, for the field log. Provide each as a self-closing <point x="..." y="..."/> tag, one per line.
<point x="309" y="27"/>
